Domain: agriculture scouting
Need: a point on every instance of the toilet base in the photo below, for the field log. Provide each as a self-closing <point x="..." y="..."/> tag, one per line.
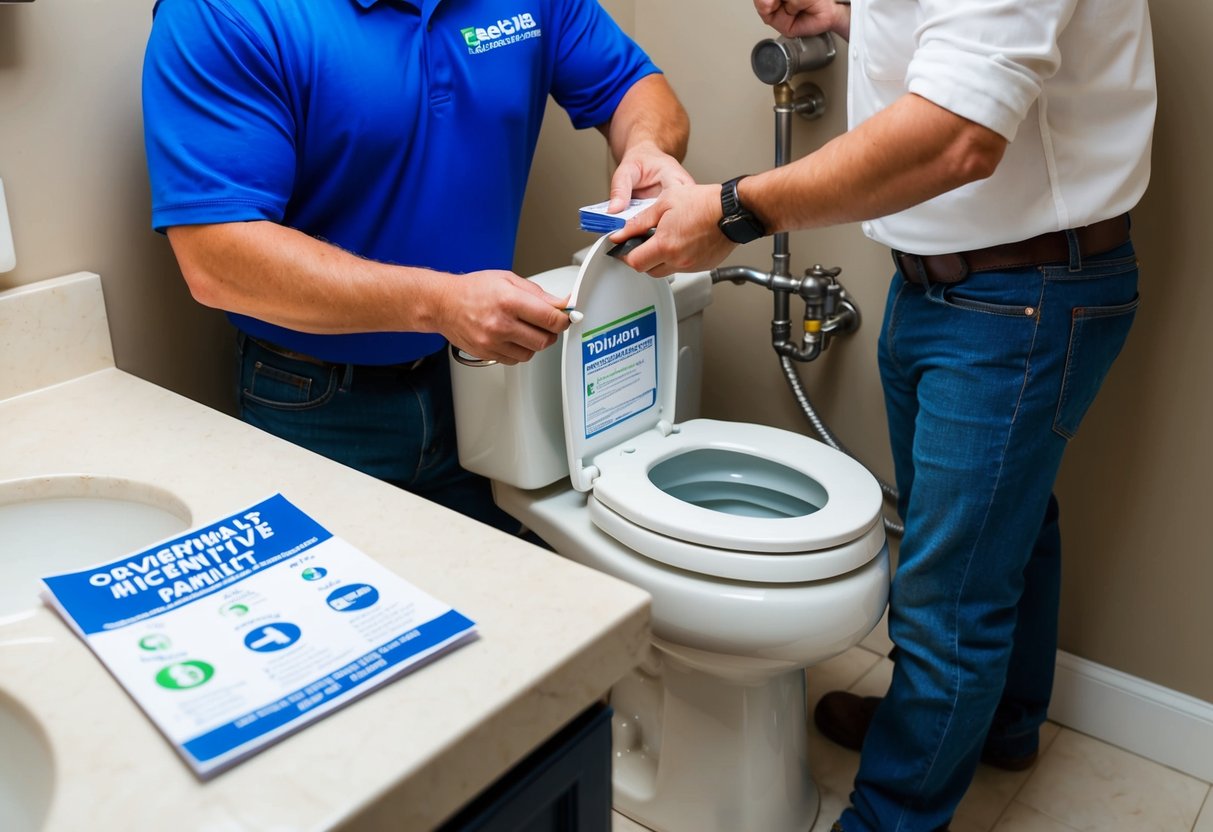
<point x="696" y="752"/>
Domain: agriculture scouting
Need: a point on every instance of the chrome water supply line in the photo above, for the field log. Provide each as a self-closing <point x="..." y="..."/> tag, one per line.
<point x="829" y="311"/>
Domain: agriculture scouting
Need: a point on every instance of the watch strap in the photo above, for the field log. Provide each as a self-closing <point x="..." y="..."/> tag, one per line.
<point x="730" y="201"/>
<point x="737" y="222"/>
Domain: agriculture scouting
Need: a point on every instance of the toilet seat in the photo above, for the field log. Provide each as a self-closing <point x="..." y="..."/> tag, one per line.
<point x="619" y="365"/>
<point x="750" y="567"/>
<point x="846" y="503"/>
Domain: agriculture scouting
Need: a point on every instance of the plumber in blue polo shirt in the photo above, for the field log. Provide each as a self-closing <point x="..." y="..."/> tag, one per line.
<point x="344" y="178"/>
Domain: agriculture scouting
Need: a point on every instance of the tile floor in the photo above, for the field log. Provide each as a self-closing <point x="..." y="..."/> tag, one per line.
<point x="1078" y="784"/>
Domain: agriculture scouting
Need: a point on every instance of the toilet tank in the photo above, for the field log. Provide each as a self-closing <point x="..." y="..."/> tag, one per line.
<point x="509" y="420"/>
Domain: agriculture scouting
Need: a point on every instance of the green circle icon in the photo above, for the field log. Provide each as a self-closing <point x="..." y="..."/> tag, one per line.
<point x="234" y="609"/>
<point x="155" y="641"/>
<point x="184" y="675"/>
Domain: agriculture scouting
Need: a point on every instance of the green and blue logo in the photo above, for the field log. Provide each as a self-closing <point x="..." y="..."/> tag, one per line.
<point x="503" y="32"/>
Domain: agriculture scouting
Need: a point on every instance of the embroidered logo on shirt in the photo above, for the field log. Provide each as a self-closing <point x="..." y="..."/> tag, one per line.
<point x="505" y="32"/>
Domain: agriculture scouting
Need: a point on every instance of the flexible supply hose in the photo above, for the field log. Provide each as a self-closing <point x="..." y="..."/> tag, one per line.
<point x="827" y="436"/>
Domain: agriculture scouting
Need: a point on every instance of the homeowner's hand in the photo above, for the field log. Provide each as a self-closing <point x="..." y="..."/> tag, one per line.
<point x="797" y="18"/>
<point x="499" y="316"/>
<point x="687" y="237"/>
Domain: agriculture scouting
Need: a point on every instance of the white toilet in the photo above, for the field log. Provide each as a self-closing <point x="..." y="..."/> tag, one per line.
<point x="764" y="550"/>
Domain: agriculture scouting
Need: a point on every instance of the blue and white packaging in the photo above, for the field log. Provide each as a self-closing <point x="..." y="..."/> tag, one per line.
<point x="595" y="218"/>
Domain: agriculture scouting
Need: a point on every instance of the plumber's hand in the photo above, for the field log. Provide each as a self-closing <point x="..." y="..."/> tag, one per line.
<point x="797" y="18"/>
<point x="499" y="316"/>
<point x="687" y="238"/>
<point x="645" y="171"/>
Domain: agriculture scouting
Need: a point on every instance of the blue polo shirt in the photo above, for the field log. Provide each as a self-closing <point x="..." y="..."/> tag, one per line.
<point x="400" y="131"/>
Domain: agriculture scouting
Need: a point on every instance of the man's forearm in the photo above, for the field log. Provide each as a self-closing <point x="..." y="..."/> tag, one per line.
<point x="285" y="277"/>
<point x="649" y="113"/>
<point x="909" y="153"/>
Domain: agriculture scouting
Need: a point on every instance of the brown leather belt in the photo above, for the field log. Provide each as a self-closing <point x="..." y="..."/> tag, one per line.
<point x="406" y="367"/>
<point x="1053" y="247"/>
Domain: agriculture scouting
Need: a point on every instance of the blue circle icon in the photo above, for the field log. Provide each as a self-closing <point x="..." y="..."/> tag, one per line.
<point x="272" y="637"/>
<point x="352" y="597"/>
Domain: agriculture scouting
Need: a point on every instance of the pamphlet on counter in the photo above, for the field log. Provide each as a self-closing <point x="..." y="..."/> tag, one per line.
<point x="241" y="631"/>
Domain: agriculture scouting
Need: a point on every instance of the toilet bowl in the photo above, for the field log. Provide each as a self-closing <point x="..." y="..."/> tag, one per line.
<point x="763" y="550"/>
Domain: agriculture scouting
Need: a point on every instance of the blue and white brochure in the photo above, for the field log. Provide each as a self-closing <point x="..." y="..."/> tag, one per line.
<point x="241" y="631"/>
<point x="595" y="217"/>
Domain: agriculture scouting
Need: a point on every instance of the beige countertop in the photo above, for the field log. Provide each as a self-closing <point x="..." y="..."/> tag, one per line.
<point x="553" y="636"/>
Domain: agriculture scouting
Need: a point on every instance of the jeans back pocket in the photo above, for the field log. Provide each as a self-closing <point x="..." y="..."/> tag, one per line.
<point x="1097" y="334"/>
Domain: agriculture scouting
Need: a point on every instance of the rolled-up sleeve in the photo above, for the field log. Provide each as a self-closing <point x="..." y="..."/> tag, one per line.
<point x="987" y="60"/>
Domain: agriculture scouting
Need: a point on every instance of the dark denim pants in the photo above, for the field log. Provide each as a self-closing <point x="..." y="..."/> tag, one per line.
<point x="985" y="382"/>
<point x="394" y="423"/>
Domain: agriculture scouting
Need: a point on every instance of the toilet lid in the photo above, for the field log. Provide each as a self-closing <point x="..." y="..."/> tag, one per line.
<point x="619" y="361"/>
<point x="702" y="483"/>
<point x="618" y="378"/>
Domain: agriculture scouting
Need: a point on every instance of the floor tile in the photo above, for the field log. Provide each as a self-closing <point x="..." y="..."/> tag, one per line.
<point x="1021" y="818"/>
<point x="833" y="768"/>
<point x="621" y="823"/>
<point x="992" y="790"/>
<point x="1204" y="823"/>
<point x="1093" y="786"/>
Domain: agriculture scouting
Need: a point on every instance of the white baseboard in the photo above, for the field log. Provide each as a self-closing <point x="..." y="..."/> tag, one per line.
<point x="1139" y="716"/>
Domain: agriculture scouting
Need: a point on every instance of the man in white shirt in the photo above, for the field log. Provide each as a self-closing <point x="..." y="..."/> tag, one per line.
<point x="996" y="149"/>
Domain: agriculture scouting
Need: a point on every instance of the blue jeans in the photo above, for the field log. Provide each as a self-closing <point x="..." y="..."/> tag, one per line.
<point x="394" y="423"/>
<point x="985" y="382"/>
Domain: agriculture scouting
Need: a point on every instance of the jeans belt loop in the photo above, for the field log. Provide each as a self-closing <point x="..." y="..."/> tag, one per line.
<point x="911" y="267"/>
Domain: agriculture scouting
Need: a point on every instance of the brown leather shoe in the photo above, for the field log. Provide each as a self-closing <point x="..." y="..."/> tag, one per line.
<point x="837" y="827"/>
<point x="1008" y="763"/>
<point x="844" y="717"/>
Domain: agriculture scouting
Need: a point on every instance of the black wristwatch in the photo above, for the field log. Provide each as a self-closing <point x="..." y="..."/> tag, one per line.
<point x="738" y="223"/>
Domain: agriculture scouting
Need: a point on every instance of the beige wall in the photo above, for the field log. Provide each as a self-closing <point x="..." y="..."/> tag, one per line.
<point x="71" y="157"/>
<point x="1139" y="563"/>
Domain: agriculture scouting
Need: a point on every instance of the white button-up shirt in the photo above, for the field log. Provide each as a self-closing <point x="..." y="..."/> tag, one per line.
<point x="1069" y="83"/>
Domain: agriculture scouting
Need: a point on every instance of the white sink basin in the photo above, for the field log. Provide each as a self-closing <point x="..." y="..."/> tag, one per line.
<point x="27" y="773"/>
<point x="64" y="523"/>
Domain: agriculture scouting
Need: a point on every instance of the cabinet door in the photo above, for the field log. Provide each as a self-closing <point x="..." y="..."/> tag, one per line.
<point x="563" y="786"/>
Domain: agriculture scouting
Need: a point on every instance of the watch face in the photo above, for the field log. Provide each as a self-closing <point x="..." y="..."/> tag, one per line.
<point x="741" y="228"/>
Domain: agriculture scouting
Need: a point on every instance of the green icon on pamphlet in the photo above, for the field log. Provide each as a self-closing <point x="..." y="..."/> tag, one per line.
<point x="155" y="641"/>
<point x="314" y="573"/>
<point x="234" y="609"/>
<point x="184" y="675"/>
